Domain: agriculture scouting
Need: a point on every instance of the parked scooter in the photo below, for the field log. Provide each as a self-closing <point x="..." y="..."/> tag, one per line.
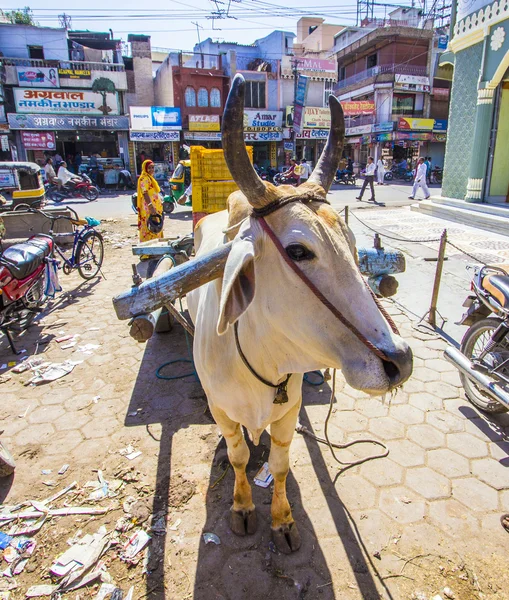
<point x="345" y="177"/>
<point x="483" y="357"/>
<point x="281" y="179"/>
<point x="398" y="173"/>
<point x="82" y="189"/>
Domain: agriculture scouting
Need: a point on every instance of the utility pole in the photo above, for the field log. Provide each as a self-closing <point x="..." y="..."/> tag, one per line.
<point x="65" y="21"/>
<point x="295" y="72"/>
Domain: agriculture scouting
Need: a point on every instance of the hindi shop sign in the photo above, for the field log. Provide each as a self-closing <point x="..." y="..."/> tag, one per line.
<point x="155" y="118"/>
<point x="203" y="136"/>
<point x="313" y="134"/>
<point x="204" y="123"/>
<point x="66" y="122"/>
<point x="154" y="136"/>
<point x="75" y="73"/>
<point x="361" y="107"/>
<point x="65" y="102"/>
<point x="263" y="120"/>
<point x="263" y="136"/>
<point x="38" y="77"/>
<point x="35" y="140"/>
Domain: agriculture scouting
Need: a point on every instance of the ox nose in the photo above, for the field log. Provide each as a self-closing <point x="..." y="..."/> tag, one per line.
<point x="398" y="367"/>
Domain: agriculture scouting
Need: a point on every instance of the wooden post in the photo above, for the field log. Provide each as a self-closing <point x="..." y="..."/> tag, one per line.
<point x="143" y="326"/>
<point x="346" y="215"/>
<point x="432" y="319"/>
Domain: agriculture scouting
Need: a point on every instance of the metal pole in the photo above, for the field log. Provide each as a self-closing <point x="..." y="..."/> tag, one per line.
<point x="346" y="215"/>
<point x="432" y="319"/>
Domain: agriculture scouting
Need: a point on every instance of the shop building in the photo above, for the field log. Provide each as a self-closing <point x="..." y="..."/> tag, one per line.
<point x="476" y="178"/>
<point x="387" y="86"/>
<point x="64" y="93"/>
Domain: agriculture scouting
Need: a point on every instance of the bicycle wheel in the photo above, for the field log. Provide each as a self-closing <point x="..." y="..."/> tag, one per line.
<point x="90" y="254"/>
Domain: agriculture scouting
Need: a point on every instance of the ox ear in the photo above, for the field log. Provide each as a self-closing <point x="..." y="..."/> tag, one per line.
<point x="238" y="283"/>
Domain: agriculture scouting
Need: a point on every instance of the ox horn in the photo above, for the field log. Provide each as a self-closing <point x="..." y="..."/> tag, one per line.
<point x="323" y="173"/>
<point x="235" y="152"/>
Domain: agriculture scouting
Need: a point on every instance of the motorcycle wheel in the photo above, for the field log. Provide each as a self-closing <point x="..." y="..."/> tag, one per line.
<point x="7" y="464"/>
<point x="91" y="193"/>
<point x="168" y="207"/>
<point x="473" y="342"/>
<point x="388" y="176"/>
<point x="20" y="207"/>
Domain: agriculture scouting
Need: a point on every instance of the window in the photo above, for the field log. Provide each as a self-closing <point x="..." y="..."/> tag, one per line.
<point x="371" y="61"/>
<point x="403" y="104"/>
<point x="35" y="51"/>
<point x="341" y="73"/>
<point x="255" y="94"/>
<point x="329" y="89"/>
<point x="215" y="98"/>
<point x="190" y="96"/>
<point x="203" y="97"/>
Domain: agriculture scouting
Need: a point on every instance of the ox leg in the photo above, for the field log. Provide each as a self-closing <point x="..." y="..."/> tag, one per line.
<point x="243" y="514"/>
<point x="284" y="529"/>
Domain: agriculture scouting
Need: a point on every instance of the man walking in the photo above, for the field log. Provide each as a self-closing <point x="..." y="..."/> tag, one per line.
<point x="380" y="171"/>
<point x="369" y="177"/>
<point x="420" y="179"/>
<point x="427" y="162"/>
<point x="305" y="171"/>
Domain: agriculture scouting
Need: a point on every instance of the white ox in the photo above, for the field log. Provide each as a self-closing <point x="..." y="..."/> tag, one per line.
<point x="283" y="328"/>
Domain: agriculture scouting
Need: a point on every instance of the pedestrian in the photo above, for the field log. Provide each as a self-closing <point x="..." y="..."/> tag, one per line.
<point x="369" y="177"/>
<point x="58" y="159"/>
<point x="78" y="159"/>
<point x="420" y="179"/>
<point x="51" y="176"/>
<point x="380" y="171"/>
<point x="149" y="201"/>
<point x="305" y="170"/>
<point x="125" y="178"/>
<point x="427" y="162"/>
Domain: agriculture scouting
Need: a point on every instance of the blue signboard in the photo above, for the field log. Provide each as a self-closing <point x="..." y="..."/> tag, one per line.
<point x="166" y="116"/>
<point x="440" y="125"/>
<point x="443" y="40"/>
<point x="386" y="126"/>
<point x="302" y="90"/>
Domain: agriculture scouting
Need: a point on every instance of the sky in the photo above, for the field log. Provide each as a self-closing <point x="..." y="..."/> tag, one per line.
<point x="176" y="24"/>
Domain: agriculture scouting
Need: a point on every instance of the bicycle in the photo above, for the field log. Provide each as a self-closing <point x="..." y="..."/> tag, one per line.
<point x="88" y="248"/>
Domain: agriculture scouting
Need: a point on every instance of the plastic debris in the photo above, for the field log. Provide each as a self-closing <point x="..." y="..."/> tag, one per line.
<point x="104" y="489"/>
<point x="135" y="544"/>
<point x="159" y="526"/>
<point x="46" y="471"/>
<point x="406" y="500"/>
<point x="36" y="591"/>
<point x="63" y="338"/>
<point x="175" y="525"/>
<point x="211" y="538"/>
<point x="4" y="595"/>
<point x="264" y="477"/>
<point x="63" y="469"/>
<point x="88" y="348"/>
<point x="5" y="540"/>
<point x="52" y="372"/>
<point x="130" y="452"/>
<point x="29" y="363"/>
<point x="69" y="345"/>
<point x="448" y="593"/>
<point x="5" y="378"/>
<point x="105" y="590"/>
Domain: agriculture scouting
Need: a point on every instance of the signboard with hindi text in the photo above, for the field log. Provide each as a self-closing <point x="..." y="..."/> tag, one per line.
<point x="204" y="123"/>
<point x="361" y="107"/>
<point x="155" y="118"/>
<point x="66" y="122"/>
<point x="38" y="140"/>
<point x="65" y="102"/>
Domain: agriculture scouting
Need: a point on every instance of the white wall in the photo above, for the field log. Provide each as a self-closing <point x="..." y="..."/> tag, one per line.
<point x="315" y="93"/>
<point x="15" y="39"/>
<point x="163" y="84"/>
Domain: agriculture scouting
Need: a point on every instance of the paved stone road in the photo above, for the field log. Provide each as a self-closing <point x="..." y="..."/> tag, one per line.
<point x="425" y="517"/>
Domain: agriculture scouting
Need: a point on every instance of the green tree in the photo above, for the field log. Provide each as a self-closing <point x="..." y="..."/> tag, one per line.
<point x="21" y="16"/>
<point x="103" y="86"/>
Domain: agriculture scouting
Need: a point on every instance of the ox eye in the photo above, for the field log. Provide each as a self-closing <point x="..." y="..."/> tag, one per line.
<point x="299" y="252"/>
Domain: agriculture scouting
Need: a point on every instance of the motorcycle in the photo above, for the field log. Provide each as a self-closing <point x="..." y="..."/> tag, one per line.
<point x="81" y="189"/>
<point x="23" y="283"/>
<point x="280" y="179"/>
<point x="483" y="357"/>
<point x="436" y="175"/>
<point x="397" y="173"/>
<point x="345" y="177"/>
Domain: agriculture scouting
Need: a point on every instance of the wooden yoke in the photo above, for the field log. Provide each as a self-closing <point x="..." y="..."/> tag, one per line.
<point x="175" y="283"/>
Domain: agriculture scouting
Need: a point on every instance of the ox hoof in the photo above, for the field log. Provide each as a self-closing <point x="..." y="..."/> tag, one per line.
<point x="243" y="522"/>
<point x="286" y="538"/>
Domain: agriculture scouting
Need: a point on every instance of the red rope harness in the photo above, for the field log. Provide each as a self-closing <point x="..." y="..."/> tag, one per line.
<point x="324" y="300"/>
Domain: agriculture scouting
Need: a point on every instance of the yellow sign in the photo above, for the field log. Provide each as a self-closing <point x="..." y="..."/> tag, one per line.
<point x="408" y="123"/>
<point x="273" y="154"/>
<point x="204" y="123"/>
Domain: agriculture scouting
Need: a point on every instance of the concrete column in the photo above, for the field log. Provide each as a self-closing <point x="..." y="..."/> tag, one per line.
<point x="480" y="144"/>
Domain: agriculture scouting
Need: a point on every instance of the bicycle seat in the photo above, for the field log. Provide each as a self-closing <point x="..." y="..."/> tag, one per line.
<point x="498" y="287"/>
<point x="24" y="258"/>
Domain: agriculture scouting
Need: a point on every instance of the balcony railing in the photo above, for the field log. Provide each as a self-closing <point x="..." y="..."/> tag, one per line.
<point x="200" y="60"/>
<point x="393" y="69"/>
<point x="62" y="64"/>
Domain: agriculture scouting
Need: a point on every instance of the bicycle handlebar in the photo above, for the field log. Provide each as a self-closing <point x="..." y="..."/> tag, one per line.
<point x="74" y="219"/>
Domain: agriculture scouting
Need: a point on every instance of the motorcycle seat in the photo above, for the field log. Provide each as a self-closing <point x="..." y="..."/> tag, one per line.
<point x="24" y="258"/>
<point x="498" y="287"/>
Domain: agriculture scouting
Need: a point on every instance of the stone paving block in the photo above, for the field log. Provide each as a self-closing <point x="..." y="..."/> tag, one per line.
<point x="484" y="429"/>
<point x="406" y="414"/>
<point x="402" y="504"/>
<point x="492" y="472"/>
<point x="441" y="389"/>
<point x="58" y="396"/>
<point x="424" y="352"/>
<point x="356" y="493"/>
<point x="424" y="374"/>
<point x="34" y="434"/>
<point x="504" y="501"/>
<point x="444" y="421"/>
<point x="372" y="407"/>
<point x="413" y="385"/>
<point x="452" y="378"/>
<point x="406" y="453"/>
<point x="61" y="443"/>
<point x="103" y="429"/>
<point x="383" y="472"/>
<point x="448" y="463"/>
<point x="428" y="483"/>
<point x="499" y="450"/>
<point x="72" y="420"/>
<point x="439" y="365"/>
<point x="426" y="436"/>
<point x="387" y="428"/>
<point x="467" y="445"/>
<point x="426" y="401"/>
<point x="454" y="518"/>
<point x="350" y="421"/>
<point x="475" y="494"/>
<point x="458" y="406"/>
<point x="45" y="414"/>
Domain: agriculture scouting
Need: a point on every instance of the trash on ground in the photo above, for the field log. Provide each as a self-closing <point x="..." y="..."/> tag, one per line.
<point x="104" y="489"/>
<point x="211" y="538"/>
<point x="64" y="338"/>
<point x="5" y="378"/>
<point x="52" y="372"/>
<point x="448" y="593"/>
<point x="46" y="471"/>
<point x="105" y="590"/>
<point x="81" y="556"/>
<point x="264" y="477"/>
<point x="36" y="591"/>
<point x="175" y="525"/>
<point x="135" y="544"/>
<point x="159" y="526"/>
<point x="69" y="345"/>
<point x="406" y="500"/>
<point x="5" y="540"/>
<point x="130" y="452"/>
<point x="63" y="469"/>
<point x="88" y="348"/>
<point x="29" y="363"/>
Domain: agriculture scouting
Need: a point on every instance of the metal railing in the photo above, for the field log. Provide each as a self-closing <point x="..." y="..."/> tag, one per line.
<point x="200" y="60"/>
<point x="78" y="65"/>
<point x="360" y="120"/>
<point x="393" y="69"/>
